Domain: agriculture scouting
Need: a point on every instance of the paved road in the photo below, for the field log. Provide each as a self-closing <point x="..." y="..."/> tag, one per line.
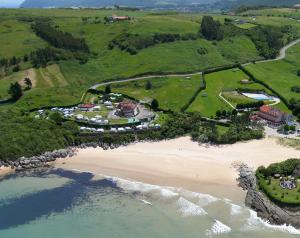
<point x="281" y="56"/>
<point x="142" y="78"/>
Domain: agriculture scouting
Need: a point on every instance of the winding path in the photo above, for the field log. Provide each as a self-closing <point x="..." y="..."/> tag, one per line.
<point x="281" y="56"/>
<point x="142" y="78"/>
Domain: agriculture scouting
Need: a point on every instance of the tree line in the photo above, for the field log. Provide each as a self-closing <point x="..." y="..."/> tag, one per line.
<point x="133" y="43"/>
<point x="58" y="38"/>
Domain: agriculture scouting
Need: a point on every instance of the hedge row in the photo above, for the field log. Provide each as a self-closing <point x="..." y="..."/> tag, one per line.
<point x="193" y="98"/>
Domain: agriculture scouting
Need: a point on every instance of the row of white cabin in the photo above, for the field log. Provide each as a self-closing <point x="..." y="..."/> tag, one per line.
<point x="123" y="129"/>
<point x="95" y="120"/>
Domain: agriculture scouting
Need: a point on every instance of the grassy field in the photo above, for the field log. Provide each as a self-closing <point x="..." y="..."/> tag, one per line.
<point x="274" y="191"/>
<point x="246" y="25"/>
<point x="208" y="101"/>
<point x="50" y="88"/>
<point x="278" y="12"/>
<point x="17" y="39"/>
<point x="234" y="97"/>
<point x="171" y="92"/>
<point x="280" y="75"/>
<point x="66" y="82"/>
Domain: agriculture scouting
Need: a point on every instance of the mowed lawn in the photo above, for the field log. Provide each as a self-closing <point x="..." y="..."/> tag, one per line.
<point x="280" y="75"/>
<point x="172" y="93"/>
<point x="208" y="100"/>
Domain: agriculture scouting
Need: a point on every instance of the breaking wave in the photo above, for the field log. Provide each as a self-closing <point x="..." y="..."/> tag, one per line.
<point x="218" y="228"/>
<point x="255" y="222"/>
<point x="188" y="208"/>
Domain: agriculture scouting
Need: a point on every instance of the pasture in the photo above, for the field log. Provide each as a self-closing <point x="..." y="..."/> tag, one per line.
<point x="280" y="75"/>
<point x="172" y="93"/>
<point x="208" y="100"/>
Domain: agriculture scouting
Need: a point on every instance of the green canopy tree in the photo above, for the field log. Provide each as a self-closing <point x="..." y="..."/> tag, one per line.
<point x="15" y="90"/>
<point x="28" y="83"/>
<point x="154" y="104"/>
<point x="211" y="29"/>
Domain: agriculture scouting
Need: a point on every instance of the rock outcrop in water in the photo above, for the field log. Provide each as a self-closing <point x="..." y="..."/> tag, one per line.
<point x="265" y="208"/>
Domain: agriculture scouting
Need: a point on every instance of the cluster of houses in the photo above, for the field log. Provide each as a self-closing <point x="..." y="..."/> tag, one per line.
<point x="273" y="116"/>
<point x="66" y="112"/>
<point x="96" y="120"/>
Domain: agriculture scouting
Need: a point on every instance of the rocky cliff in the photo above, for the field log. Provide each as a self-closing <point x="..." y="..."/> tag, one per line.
<point x="265" y="209"/>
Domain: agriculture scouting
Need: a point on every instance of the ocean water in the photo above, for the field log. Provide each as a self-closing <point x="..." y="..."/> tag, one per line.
<point x="69" y="204"/>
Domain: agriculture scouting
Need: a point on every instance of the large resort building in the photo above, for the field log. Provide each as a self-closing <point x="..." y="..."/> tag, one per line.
<point x="274" y="115"/>
<point x="127" y="109"/>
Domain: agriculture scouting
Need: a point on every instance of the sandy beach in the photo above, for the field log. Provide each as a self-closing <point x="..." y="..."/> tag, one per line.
<point x="5" y="171"/>
<point x="181" y="163"/>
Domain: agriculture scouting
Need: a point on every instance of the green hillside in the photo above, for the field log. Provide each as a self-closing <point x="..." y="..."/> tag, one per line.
<point x="65" y="52"/>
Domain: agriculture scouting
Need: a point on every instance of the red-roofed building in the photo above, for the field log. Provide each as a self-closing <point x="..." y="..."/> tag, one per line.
<point x="86" y="107"/>
<point x="127" y="109"/>
<point x="274" y="115"/>
<point x="120" y="18"/>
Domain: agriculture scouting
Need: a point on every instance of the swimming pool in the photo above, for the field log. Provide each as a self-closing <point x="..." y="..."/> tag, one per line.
<point x="259" y="96"/>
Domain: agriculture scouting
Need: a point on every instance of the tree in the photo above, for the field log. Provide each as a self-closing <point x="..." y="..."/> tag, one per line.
<point x="154" y="104"/>
<point x="107" y="89"/>
<point x="16" y="68"/>
<point x="224" y="113"/>
<point x="234" y="112"/>
<point x="298" y="73"/>
<point x="148" y="85"/>
<point x="15" y="90"/>
<point x="56" y="117"/>
<point x="211" y="29"/>
<point x="13" y="61"/>
<point x="26" y="58"/>
<point x="28" y="83"/>
<point x="218" y="114"/>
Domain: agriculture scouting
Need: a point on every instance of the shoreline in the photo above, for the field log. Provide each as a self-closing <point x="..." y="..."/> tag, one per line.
<point x="181" y="163"/>
<point x="5" y="171"/>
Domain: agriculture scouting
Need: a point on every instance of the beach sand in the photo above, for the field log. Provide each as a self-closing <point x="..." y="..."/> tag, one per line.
<point x="5" y="171"/>
<point x="181" y="163"/>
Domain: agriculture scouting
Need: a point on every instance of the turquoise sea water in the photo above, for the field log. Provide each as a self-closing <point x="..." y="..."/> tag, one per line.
<point x="63" y="204"/>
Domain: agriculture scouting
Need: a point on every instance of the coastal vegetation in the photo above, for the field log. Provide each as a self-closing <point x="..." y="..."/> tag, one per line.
<point x="270" y="181"/>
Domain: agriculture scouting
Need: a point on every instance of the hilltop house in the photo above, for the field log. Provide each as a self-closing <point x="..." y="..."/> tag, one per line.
<point x="127" y="109"/>
<point x="274" y="116"/>
<point x="120" y="18"/>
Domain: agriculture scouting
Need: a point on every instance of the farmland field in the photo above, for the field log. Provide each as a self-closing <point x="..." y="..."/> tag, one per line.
<point x="280" y="75"/>
<point x="171" y="92"/>
<point x="208" y="101"/>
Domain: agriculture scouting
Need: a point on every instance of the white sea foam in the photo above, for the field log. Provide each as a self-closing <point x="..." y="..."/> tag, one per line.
<point x="218" y="228"/>
<point x="255" y="222"/>
<point x="203" y="199"/>
<point x="235" y="209"/>
<point x="142" y="187"/>
<point x="146" y="202"/>
<point x="187" y="208"/>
